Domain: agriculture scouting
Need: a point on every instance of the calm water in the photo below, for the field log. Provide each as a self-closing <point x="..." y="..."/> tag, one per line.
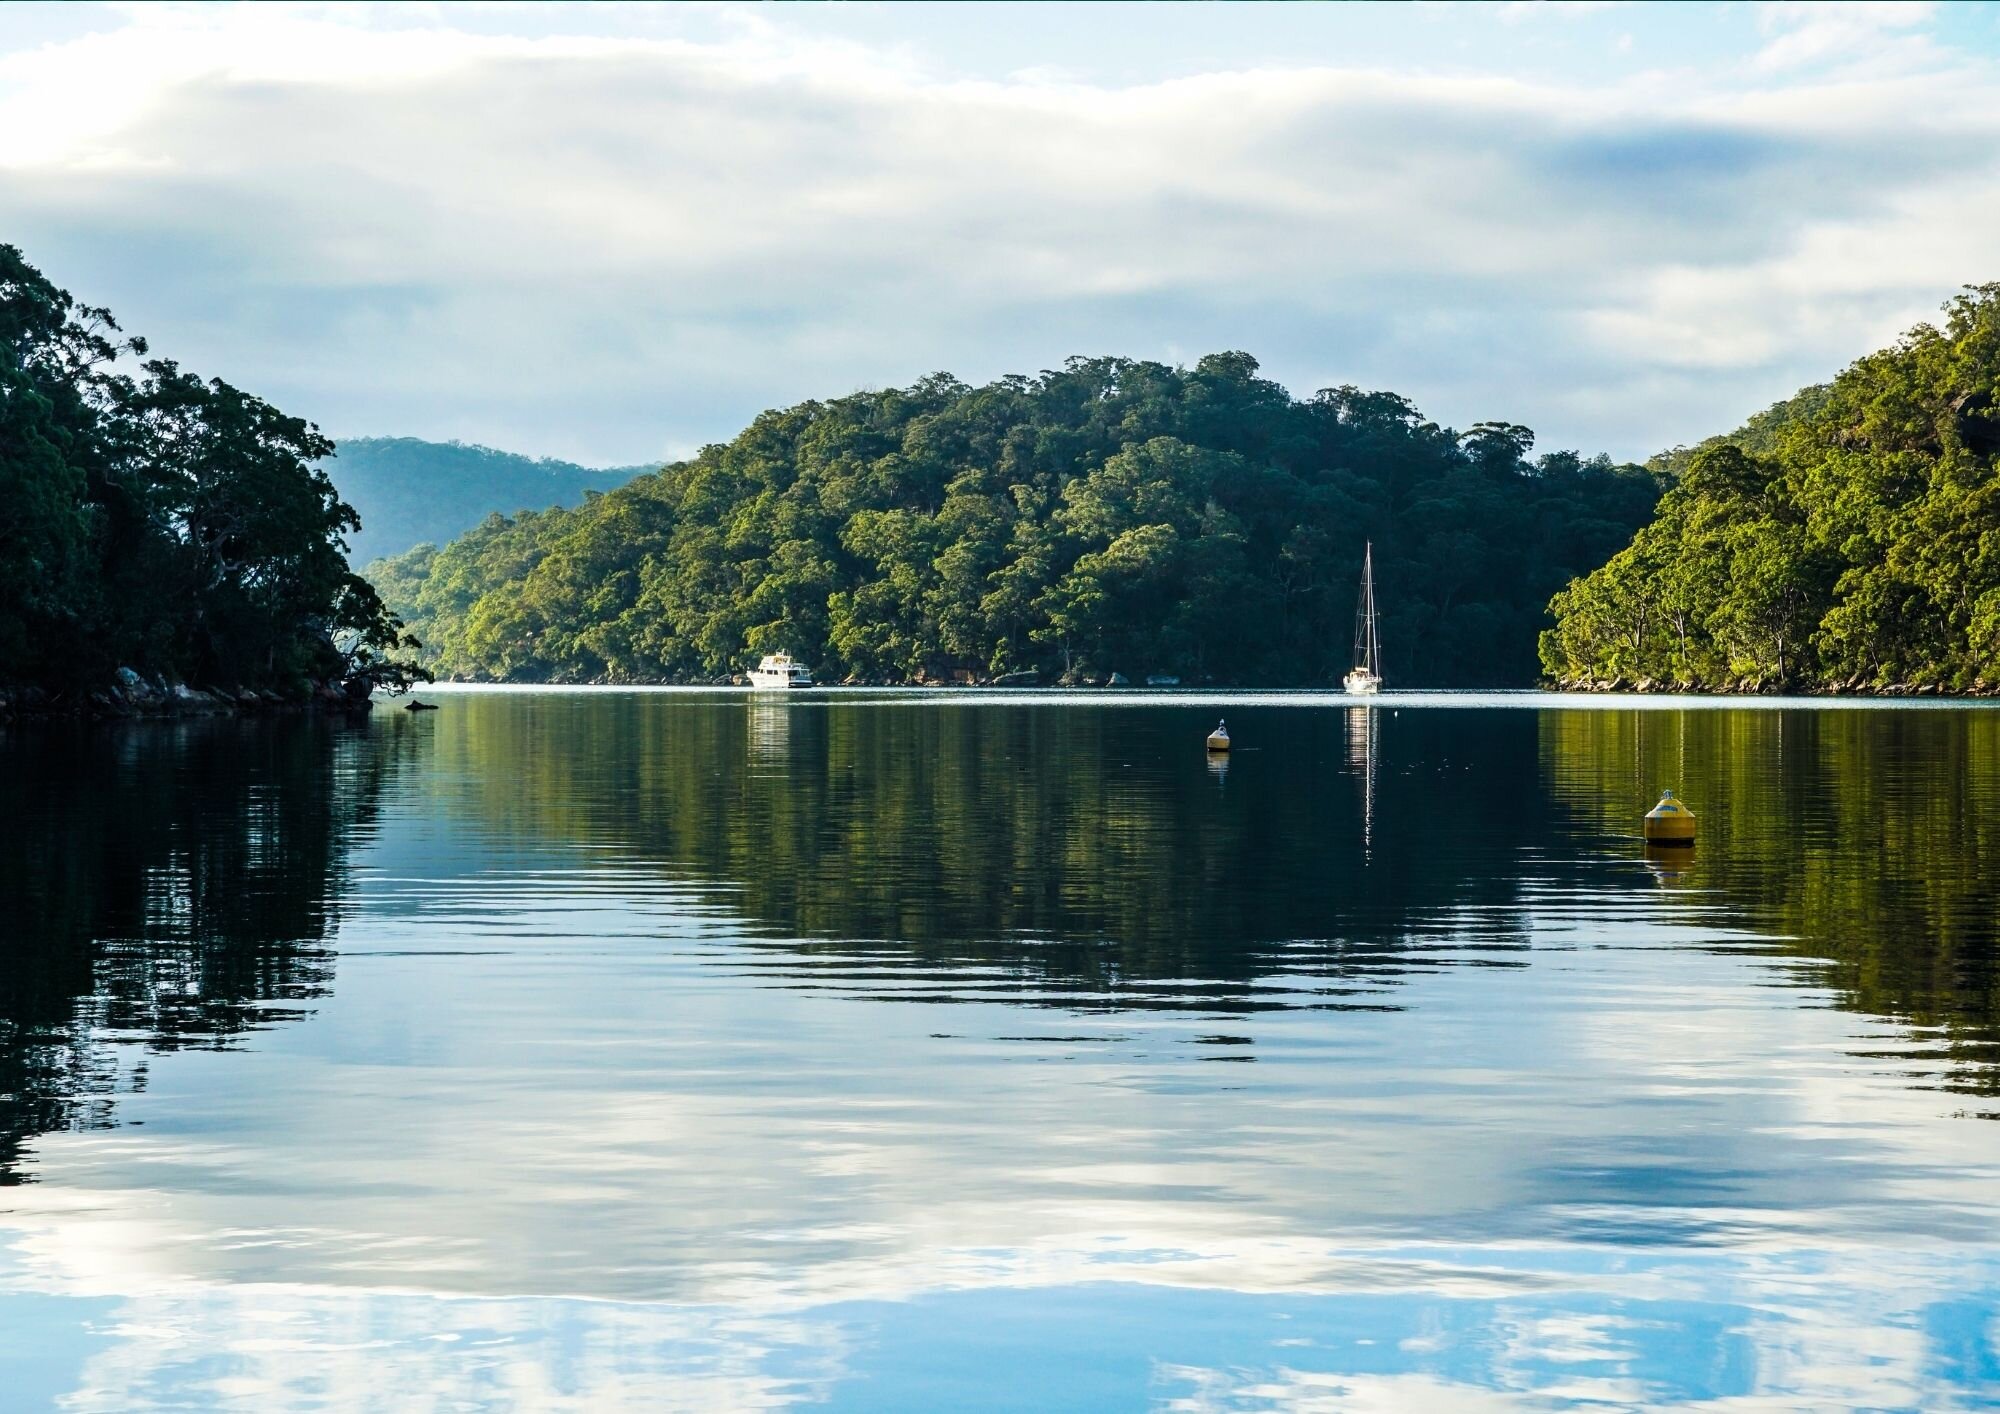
<point x="887" y="1051"/>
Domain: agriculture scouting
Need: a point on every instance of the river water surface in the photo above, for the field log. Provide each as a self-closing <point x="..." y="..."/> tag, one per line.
<point x="676" y="1049"/>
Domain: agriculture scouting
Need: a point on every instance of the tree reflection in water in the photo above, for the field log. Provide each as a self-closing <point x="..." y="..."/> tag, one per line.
<point x="178" y="884"/>
<point x="1866" y="842"/>
<point x="1089" y="855"/>
<point x="1093" y="854"/>
<point x="166" y="885"/>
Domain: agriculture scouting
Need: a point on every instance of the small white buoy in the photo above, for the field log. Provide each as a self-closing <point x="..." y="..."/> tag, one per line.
<point x="1218" y="740"/>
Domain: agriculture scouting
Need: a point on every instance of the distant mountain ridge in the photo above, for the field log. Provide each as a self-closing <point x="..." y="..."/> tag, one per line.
<point x="409" y="491"/>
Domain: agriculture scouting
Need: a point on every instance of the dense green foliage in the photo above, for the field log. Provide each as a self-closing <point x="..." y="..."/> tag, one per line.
<point x="1759" y="434"/>
<point x="1851" y="539"/>
<point x="408" y="491"/>
<point x="161" y="522"/>
<point x="1113" y="516"/>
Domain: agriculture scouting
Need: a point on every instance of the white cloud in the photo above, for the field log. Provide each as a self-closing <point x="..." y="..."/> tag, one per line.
<point x="599" y="233"/>
<point x="1515" y="11"/>
<point x="1822" y="31"/>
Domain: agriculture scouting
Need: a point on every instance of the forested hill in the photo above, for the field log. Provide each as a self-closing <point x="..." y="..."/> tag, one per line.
<point x="1112" y="516"/>
<point x="407" y="490"/>
<point x="173" y="527"/>
<point x="1759" y="433"/>
<point x="1852" y="540"/>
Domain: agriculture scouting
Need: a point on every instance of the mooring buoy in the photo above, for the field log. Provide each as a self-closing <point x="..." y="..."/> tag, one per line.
<point x="1670" y="823"/>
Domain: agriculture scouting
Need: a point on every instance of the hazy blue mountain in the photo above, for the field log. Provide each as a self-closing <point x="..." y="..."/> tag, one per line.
<point x="409" y="490"/>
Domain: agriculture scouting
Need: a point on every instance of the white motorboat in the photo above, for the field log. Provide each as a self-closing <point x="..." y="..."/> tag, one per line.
<point x="778" y="670"/>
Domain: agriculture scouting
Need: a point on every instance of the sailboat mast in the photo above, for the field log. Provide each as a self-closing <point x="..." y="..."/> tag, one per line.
<point x="1364" y="618"/>
<point x="1374" y="637"/>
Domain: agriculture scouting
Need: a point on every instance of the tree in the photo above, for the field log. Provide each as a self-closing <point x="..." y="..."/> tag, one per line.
<point x="1112" y="514"/>
<point x="1848" y="536"/>
<point x="165" y="523"/>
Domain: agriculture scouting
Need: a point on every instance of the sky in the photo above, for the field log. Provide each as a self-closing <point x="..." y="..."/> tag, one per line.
<point x="615" y="233"/>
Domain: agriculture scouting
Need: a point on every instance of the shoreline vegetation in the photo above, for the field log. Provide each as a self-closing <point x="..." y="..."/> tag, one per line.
<point x="174" y="545"/>
<point x="1647" y="687"/>
<point x="168" y="545"/>
<point x="1110" y="516"/>
<point x="1117" y="516"/>
<point x="1847" y="541"/>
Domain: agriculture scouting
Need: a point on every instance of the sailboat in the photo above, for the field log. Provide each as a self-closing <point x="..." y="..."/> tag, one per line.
<point x="1366" y="677"/>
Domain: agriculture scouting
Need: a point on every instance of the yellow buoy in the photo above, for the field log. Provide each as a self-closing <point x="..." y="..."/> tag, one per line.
<point x="1670" y="824"/>
<point x="1218" y="740"/>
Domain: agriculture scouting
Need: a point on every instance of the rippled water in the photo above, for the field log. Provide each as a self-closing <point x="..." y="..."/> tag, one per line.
<point x="675" y="1049"/>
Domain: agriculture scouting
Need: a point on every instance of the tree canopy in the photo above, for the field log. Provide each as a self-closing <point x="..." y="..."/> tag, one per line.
<point x="1114" y="515"/>
<point x="158" y="521"/>
<point x="1848" y="539"/>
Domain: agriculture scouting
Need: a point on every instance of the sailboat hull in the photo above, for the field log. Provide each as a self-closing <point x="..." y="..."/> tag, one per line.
<point x="1362" y="684"/>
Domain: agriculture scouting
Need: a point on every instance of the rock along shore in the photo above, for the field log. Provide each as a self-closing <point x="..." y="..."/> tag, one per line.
<point x="1026" y="678"/>
<point x="1756" y="687"/>
<point x="132" y="695"/>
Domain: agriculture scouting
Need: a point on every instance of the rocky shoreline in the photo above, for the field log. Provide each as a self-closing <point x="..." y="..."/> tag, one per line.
<point x="1025" y="679"/>
<point x="131" y="695"/>
<point x="1753" y="687"/>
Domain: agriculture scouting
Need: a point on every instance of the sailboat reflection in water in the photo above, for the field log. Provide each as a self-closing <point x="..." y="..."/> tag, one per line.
<point x="1361" y="760"/>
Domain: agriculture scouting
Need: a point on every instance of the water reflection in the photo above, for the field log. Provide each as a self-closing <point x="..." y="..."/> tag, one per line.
<point x="1076" y="852"/>
<point x="1866" y="841"/>
<point x="164" y="885"/>
<point x="1074" y="855"/>
<point x="1361" y="761"/>
<point x="694" y="1052"/>
<point x="1673" y="867"/>
<point x="770" y="730"/>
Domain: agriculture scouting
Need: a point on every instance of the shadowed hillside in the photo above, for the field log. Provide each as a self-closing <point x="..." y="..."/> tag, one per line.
<point x="407" y="490"/>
